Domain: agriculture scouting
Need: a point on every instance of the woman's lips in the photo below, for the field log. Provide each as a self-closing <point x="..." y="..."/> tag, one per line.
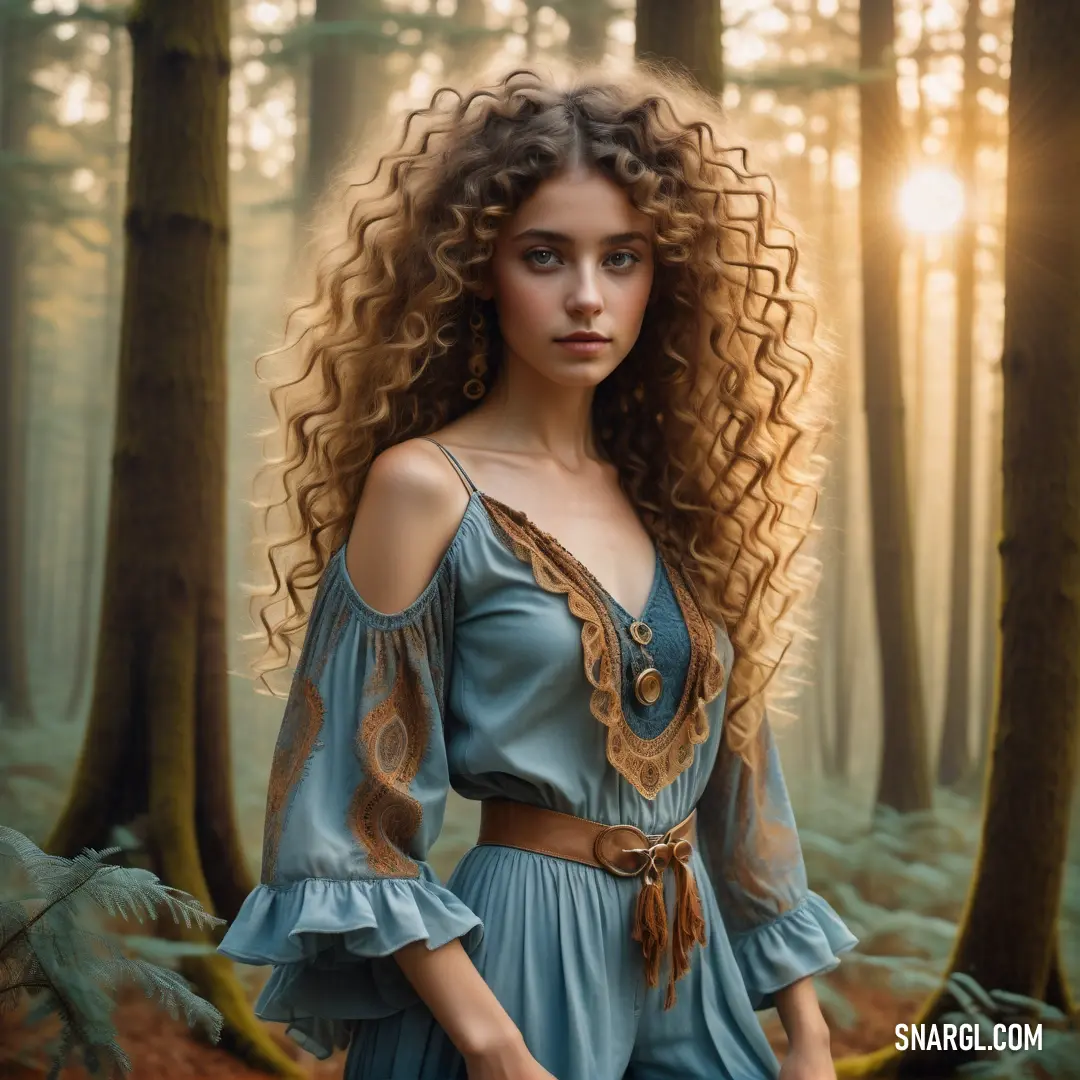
<point x="584" y="346"/>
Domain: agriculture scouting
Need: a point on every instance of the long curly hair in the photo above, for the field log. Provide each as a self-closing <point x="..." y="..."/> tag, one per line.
<point x="710" y="419"/>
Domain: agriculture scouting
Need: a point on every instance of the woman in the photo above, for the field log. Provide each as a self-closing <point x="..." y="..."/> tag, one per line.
<point x="564" y="313"/>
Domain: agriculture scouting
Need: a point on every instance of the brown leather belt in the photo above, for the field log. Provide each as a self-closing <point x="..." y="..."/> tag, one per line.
<point x="622" y="850"/>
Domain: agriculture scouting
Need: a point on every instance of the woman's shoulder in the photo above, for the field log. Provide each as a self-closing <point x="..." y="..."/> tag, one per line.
<point x="409" y="514"/>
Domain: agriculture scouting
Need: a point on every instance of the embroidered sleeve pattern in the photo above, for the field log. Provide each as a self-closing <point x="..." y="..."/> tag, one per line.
<point x="390" y="744"/>
<point x="297" y="740"/>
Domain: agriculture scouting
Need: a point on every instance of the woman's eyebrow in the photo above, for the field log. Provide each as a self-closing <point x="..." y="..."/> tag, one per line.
<point x="562" y="238"/>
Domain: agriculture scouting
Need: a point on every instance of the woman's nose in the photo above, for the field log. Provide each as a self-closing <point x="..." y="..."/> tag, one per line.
<point x="585" y="297"/>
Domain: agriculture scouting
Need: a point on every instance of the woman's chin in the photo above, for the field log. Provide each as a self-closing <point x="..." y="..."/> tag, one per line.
<point x="582" y="374"/>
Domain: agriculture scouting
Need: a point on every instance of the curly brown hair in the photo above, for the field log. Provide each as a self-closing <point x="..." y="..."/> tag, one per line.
<point x="710" y="418"/>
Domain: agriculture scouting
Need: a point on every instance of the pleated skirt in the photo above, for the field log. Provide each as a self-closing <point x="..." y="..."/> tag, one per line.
<point x="558" y="954"/>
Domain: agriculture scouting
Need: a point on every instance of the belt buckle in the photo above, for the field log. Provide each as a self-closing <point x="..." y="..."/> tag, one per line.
<point x="642" y="841"/>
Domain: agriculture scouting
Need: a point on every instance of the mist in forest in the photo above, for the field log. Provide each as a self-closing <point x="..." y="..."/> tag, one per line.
<point x="890" y="807"/>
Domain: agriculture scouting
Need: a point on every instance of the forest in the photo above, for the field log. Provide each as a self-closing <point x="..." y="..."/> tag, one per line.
<point x="162" y="166"/>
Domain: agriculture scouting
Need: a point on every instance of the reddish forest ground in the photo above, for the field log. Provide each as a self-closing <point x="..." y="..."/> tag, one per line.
<point x="161" y="1048"/>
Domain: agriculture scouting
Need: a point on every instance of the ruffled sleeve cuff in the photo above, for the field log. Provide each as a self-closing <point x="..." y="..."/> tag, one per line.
<point x="331" y="942"/>
<point x="806" y="940"/>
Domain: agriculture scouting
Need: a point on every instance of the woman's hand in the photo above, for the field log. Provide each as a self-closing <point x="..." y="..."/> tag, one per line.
<point x="507" y="1060"/>
<point x="808" y="1062"/>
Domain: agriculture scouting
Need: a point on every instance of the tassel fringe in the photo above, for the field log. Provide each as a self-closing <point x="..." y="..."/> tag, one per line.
<point x="651" y="921"/>
<point x="650" y="926"/>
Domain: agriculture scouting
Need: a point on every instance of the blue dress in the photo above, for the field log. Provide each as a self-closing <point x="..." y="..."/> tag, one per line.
<point x="511" y="676"/>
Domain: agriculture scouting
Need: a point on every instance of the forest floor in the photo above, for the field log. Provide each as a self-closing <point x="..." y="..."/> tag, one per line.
<point x="161" y="1048"/>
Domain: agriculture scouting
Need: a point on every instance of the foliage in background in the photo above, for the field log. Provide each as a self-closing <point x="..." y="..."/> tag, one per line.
<point x="900" y="884"/>
<point x="1055" y="1056"/>
<point x="53" y="951"/>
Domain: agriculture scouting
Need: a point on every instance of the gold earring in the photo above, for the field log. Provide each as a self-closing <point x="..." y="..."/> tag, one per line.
<point x="474" y="388"/>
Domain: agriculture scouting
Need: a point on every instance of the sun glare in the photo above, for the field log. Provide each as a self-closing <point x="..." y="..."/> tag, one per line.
<point x="931" y="201"/>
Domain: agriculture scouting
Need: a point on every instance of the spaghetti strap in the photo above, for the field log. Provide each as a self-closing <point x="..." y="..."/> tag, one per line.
<point x="453" y="461"/>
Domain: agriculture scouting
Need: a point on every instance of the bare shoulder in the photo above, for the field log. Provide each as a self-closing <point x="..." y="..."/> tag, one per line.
<point x="409" y="511"/>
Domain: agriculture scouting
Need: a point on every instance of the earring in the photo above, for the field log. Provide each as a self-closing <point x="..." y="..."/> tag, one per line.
<point x="474" y="388"/>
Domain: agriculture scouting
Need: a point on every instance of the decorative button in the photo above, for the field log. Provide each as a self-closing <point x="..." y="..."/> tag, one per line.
<point x="641" y="632"/>
<point x="648" y="685"/>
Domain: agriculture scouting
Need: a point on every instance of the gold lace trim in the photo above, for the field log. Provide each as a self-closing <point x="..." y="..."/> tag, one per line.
<point x="648" y="764"/>
<point x="390" y="744"/>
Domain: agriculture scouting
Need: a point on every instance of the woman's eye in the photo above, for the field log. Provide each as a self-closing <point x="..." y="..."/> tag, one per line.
<point x="629" y="256"/>
<point x="540" y="257"/>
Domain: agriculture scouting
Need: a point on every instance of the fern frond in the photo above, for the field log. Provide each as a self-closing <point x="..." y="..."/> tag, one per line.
<point x="170" y="990"/>
<point x="119" y="890"/>
<point x="1023" y="1005"/>
<point x="48" y="952"/>
<point x="144" y="891"/>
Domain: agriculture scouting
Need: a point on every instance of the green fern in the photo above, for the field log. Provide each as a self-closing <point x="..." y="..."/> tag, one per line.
<point x="74" y="972"/>
<point x="1056" y="1056"/>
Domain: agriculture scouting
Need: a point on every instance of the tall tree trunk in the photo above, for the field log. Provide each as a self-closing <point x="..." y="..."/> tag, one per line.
<point x="954" y="755"/>
<point x="834" y="662"/>
<point x="989" y="630"/>
<point x="904" y="779"/>
<point x="99" y="434"/>
<point x="836" y="295"/>
<point x="346" y="86"/>
<point x="15" y="701"/>
<point x="688" y="33"/>
<point x="915" y="421"/>
<point x="1009" y="934"/>
<point x="588" y="21"/>
<point x="991" y="625"/>
<point x="157" y="741"/>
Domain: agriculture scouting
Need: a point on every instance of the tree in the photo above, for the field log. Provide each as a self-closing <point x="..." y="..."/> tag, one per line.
<point x="16" y="35"/>
<point x="98" y="435"/>
<point x="688" y="33"/>
<point x="904" y="780"/>
<point x="954" y="755"/>
<point x="1008" y="937"/>
<point x="156" y="752"/>
<point x="836" y="638"/>
<point x="346" y="80"/>
<point x="1009" y="929"/>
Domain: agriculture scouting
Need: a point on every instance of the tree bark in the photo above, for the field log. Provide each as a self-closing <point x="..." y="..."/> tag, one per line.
<point x="1009" y="933"/>
<point x="15" y="701"/>
<point x="904" y="780"/>
<point x="991" y="626"/>
<point x="687" y="34"/>
<point x="157" y="744"/>
<point x="954" y="754"/>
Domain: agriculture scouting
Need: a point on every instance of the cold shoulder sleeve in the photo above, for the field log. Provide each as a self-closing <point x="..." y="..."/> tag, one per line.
<point x="780" y="931"/>
<point x="357" y="792"/>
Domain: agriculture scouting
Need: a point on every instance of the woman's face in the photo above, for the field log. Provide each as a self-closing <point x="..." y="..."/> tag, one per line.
<point x="576" y="258"/>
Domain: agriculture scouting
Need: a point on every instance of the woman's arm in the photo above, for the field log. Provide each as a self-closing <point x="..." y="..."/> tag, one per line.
<point x="408" y="512"/>
<point x="800" y="1013"/>
<point x="410" y="507"/>
<point x="449" y="984"/>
